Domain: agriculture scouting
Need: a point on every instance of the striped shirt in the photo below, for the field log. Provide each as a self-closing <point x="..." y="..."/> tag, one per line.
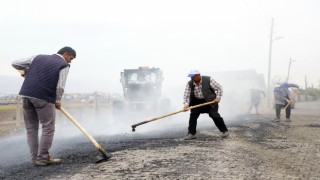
<point x="198" y="93"/>
<point x="24" y="63"/>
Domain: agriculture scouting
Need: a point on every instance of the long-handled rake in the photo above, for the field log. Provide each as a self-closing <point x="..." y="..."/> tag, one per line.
<point x="104" y="155"/>
<point x="289" y="102"/>
<point x="170" y="114"/>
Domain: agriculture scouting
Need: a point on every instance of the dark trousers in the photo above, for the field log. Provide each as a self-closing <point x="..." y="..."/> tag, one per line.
<point x="278" y="110"/>
<point x="254" y="104"/>
<point x="213" y="113"/>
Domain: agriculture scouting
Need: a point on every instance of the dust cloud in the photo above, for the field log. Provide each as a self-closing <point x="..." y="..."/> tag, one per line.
<point x="102" y="121"/>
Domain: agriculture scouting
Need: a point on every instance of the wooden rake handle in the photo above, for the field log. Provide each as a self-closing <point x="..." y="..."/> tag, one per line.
<point x="170" y="114"/>
<point x="294" y="96"/>
<point x="95" y="143"/>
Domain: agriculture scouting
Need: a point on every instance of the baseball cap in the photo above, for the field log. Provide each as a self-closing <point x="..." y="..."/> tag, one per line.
<point x="193" y="73"/>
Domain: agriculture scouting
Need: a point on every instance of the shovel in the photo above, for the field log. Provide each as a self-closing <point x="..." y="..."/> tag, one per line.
<point x="104" y="155"/>
<point x="170" y="114"/>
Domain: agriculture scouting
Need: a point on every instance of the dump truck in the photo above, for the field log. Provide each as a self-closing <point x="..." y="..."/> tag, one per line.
<point x="141" y="92"/>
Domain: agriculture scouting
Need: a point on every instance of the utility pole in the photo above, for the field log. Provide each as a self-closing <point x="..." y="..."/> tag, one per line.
<point x="269" y="65"/>
<point x="305" y="86"/>
<point x="289" y="69"/>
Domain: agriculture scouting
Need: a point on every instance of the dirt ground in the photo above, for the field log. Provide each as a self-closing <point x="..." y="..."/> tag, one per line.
<point x="257" y="148"/>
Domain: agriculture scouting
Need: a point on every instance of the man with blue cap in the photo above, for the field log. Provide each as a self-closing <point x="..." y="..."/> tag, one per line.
<point x="199" y="90"/>
<point x="282" y="99"/>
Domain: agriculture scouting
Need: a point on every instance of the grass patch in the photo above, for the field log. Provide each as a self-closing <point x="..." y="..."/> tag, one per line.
<point x="4" y="108"/>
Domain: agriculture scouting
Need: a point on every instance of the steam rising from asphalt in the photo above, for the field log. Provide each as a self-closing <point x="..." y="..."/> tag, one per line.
<point x="100" y="122"/>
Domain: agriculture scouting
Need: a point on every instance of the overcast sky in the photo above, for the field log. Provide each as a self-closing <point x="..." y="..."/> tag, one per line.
<point x="175" y="35"/>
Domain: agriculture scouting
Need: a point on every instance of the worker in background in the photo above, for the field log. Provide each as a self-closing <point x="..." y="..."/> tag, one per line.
<point x="282" y="99"/>
<point x="255" y="97"/>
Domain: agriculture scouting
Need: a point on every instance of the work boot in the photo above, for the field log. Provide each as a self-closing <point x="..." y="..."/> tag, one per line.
<point x="288" y="120"/>
<point x="190" y="137"/>
<point x="277" y="119"/>
<point x="225" y="134"/>
<point x="48" y="161"/>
